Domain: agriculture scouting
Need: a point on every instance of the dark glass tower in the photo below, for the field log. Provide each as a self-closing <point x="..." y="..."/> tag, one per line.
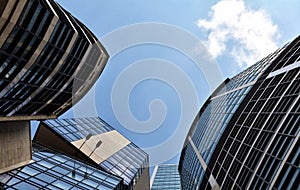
<point x="48" y="62"/>
<point x="49" y="59"/>
<point x="95" y="142"/>
<point x="246" y="135"/>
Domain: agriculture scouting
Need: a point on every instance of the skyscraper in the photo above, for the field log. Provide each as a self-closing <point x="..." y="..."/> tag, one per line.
<point x="246" y="135"/>
<point x="48" y="61"/>
<point x="165" y="177"/>
<point x="96" y="143"/>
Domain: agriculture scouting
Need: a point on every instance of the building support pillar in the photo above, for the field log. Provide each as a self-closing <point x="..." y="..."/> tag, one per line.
<point x="15" y="144"/>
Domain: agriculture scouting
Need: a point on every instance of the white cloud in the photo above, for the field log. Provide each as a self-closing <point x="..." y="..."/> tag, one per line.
<point x="247" y="35"/>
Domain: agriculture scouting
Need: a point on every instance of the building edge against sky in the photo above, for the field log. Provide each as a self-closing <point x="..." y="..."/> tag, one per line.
<point x="49" y="61"/>
<point x="165" y="176"/>
<point x="115" y="154"/>
<point x="254" y="116"/>
<point x="246" y="135"/>
<point x="84" y="153"/>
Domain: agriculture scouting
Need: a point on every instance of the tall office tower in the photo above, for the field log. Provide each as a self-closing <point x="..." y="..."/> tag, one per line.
<point x="165" y="177"/>
<point x="54" y="170"/>
<point x="246" y="135"/>
<point x="96" y="143"/>
<point x="48" y="61"/>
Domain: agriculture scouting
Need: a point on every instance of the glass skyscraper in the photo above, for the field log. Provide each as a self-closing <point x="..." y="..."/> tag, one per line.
<point x="95" y="142"/>
<point x="49" y="59"/>
<point x="48" y="62"/>
<point x="165" y="177"/>
<point x="246" y="135"/>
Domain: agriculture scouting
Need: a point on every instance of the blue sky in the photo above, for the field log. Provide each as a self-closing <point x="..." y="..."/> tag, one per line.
<point x="236" y="33"/>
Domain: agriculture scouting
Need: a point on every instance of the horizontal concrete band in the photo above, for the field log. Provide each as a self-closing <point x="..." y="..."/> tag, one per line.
<point x="284" y="69"/>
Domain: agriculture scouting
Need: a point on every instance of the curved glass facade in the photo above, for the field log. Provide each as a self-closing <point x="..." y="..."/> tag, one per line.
<point x="214" y="118"/>
<point x="49" y="59"/>
<point x="230" y="134"/>
<point x="48" y="62"/>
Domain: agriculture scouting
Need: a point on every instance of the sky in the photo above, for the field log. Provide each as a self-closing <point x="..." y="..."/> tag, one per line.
<point x="167" y="56"/>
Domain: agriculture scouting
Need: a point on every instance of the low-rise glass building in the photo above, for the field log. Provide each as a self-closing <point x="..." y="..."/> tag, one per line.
<point x="95" y="142"/>
<point x="50" y="169"/>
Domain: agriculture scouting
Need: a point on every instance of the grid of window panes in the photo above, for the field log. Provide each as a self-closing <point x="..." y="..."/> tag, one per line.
<point x="78" y="128"/>
<point x="214" y="119"/>
<point x="289" y="175"/>
<point x="261" y="137"/>
<point x="167" y="177"/>
<point x="217" y="114"/>
<point x="250" y="74"/>
<point x="17" y="51"/>
<point x="211" y="125"/>
<point x="128" y="163"/>
<point x="290" y="56"/>
<point x="52" y="170"/>
<point x="190" y="168"/>
<point x="29" y="91"/>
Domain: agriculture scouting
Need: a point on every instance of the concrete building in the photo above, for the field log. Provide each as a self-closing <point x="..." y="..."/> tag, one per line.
<point x="165" y="177"/>
<point x="246" y="135"/>
<point x="48" y="62"/>
<point x="96" y="143"/>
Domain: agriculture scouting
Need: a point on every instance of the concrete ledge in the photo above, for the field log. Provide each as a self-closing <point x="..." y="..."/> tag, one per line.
<point x="21" y="164"/>
<point x="15" y="143"/>
<point x="27" y="118"/>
